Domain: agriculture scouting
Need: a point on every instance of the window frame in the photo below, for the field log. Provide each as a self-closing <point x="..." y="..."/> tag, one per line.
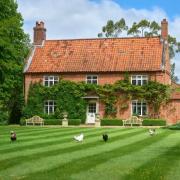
<point x="141" y="106"/>
<point x="53" y="106"/>
<point x="92" y="79"/>
<point x="49" y="80"/>
<point x="141" y="78"/>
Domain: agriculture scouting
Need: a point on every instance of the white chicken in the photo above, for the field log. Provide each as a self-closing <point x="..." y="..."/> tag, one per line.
<point x="79" y="138"/>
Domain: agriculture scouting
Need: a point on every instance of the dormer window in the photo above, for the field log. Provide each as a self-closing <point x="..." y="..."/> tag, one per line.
<point x="50" y="80"/>
<point x="92" y="79"/>
<point x="139" y="79"/>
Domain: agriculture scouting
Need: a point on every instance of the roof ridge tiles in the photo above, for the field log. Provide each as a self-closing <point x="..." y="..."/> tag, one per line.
<point x="81" y="39"/>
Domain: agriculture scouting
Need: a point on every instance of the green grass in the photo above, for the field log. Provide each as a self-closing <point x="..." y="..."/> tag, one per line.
<point x="50" y="153"/>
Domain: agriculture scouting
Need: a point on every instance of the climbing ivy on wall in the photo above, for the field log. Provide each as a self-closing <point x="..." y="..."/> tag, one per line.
<point x="69" y="97"/>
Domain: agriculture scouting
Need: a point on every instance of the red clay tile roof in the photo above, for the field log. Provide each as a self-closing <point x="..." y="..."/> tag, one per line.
<point x="98" y="55"/>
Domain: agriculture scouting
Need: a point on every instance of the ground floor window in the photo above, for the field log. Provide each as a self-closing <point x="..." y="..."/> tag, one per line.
<point x="139" y="108"/>
<point x="49" y="107"/>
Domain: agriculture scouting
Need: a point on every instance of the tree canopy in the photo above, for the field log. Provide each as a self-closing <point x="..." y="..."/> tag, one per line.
<point x="14" y="45"/>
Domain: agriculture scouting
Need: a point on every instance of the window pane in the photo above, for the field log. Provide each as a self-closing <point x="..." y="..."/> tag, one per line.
<point x="92" y="108"/>
<point x="50" y="109"/>
<point x="46" y="83"/>
<point x="145" y="77"/>
<point x="51" y="103"/>
<point x="133" y="77"/>
<point x="133" y="82"/>
<point x="144" y="110"/>
<point x="134" y="110"/>
<point x="139" y="110"/>
<point x="139" y="82"/>
<point x="51" y="83"/>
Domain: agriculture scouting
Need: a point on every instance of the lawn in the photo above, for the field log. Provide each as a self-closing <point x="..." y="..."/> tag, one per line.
<point x="50" y="153"/>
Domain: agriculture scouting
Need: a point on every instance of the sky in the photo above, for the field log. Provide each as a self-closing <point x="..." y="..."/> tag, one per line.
<point x="69" y="19"/>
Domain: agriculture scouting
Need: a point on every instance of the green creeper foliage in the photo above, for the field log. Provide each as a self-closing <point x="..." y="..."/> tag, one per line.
<point x="69" y="97"/>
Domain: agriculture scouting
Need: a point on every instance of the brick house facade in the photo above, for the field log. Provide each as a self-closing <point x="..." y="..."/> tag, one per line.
<point x="102" y="61"/>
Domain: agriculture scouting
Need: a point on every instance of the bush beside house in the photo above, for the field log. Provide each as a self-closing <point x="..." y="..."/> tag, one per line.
<point x="154" y="122"/>
<point x="111" y="122"/>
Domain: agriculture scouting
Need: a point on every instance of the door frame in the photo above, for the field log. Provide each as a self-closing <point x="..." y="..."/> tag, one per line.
<point x="87" y="108"/>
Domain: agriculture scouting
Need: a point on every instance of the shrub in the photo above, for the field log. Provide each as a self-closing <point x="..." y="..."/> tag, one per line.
<point x="111" y="122"/>
<point x="174" y="126"/>
<point x="23" y="121"/>
<point x="3" y="118"/>
<point x="53" y="122"/>
<point x="74" y="121"/>
<point x="154" y="122"/>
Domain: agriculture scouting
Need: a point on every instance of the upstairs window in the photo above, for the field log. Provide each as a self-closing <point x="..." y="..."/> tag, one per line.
<point x="49" y="107"/>
<point x="139" y="80"/>
<point x="139" y="108"/>
<point x="92" y="79"/>
<point x="50" y="80"/>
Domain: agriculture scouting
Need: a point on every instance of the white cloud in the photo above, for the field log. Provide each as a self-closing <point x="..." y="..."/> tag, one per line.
<point x="66" y="19"/>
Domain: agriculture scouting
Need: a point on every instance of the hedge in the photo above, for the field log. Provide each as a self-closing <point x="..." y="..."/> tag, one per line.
<point x="74" y="121"/>
<point x="154" y="122"/>
<point x="52" y="122"/>
<point x="55" y="121"/>
<point x="111" y="122"/>
<point x="174" y="126"/>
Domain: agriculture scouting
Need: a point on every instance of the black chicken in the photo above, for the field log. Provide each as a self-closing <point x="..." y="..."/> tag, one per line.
<point x="105" y="137"/>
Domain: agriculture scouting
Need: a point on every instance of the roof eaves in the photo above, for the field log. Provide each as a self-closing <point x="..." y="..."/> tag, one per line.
<point x="29" y="61"/>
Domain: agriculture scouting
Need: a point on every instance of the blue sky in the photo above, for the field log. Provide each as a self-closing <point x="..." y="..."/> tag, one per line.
<point x="69" y="19"/>
<point x="172" y="7"/>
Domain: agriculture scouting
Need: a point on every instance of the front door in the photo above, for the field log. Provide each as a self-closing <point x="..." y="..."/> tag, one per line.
<point x="91" y="112"/>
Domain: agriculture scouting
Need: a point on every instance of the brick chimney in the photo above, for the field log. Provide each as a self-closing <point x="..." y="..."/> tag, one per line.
<point x="39" y="33"/>
<point x="164" y="29"/>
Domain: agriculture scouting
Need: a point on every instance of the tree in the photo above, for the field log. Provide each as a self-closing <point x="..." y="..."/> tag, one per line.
<point x="143" y="28"/>
<point x="14" y="46"/>
<point x="139" y="28"/>
<point x="112" y="29"/>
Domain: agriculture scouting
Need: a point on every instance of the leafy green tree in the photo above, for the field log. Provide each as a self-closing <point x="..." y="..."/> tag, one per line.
<point x="14" y="45"/>
<point x="139" y="28"/>
<point x="112" y="29"/>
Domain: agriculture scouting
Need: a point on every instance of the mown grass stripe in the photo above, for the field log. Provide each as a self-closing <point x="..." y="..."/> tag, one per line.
<point x="61" y="147"/>
<point x="88" y="162"/>
<point x="47" y="141"/>
<point x="36" y="140"/>
<point x="24" y="129"/>
<point x="125" y="164"/>
<point x="158" y="167"/>
<point x="52" y="161"/>
<point x="6" y="136"/>
<point x="40" y="132"/>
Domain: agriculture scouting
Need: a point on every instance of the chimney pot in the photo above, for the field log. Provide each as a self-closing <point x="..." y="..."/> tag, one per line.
<point x="164" y="29"/>
<point x="39" y="33"/>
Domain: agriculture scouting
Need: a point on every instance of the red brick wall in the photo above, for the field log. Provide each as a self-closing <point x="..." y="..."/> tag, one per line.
<point x="171" y="111"/>
<point x="109" y="78"/>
